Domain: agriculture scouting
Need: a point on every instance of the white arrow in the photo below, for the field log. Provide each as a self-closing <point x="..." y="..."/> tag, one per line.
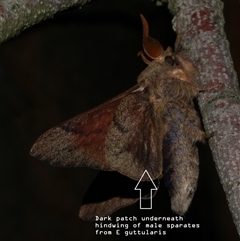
<point x="140" y="190"/>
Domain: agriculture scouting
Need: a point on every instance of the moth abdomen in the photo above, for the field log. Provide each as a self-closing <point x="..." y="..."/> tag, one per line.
<point x="180" y="154"/>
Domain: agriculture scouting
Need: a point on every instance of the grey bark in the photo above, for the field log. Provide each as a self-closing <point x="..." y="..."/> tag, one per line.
<point x="199" y="25"/>
<point x="17" y="15"/>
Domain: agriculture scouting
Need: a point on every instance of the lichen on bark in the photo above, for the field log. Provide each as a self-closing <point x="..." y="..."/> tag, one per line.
<point x="17" y="15"/>
<point x="200" y="29"/>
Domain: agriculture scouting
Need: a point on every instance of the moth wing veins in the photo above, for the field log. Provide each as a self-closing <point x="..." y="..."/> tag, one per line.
<point x="118" y="135"/>
<point x="79" y="141"/>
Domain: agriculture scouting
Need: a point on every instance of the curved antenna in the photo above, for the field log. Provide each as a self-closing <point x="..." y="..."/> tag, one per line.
<point x="151" y="47"/>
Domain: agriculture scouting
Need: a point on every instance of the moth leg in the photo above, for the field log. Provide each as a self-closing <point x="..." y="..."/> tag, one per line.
<point x="193" y="127"/>
<point x="209" y="135"/>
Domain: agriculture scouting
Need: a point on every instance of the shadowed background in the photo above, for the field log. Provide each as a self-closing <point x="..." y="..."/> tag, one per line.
<point x="60" y="68"/>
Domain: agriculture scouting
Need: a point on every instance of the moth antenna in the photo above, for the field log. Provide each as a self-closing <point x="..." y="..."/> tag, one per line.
<point x="151" y="47"/>
<point x="145" y="26"/>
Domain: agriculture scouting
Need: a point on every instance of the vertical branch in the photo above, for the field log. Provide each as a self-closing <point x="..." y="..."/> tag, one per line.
<point x="17" y="15"/>
<point x="200" y="32"/>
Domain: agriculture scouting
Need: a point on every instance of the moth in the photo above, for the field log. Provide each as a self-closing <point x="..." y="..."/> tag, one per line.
<point x="153" y="126"/>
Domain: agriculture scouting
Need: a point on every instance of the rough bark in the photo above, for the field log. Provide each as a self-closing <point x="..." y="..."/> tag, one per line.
<point x="17" y="15"/>
<point x="199" y="25"/>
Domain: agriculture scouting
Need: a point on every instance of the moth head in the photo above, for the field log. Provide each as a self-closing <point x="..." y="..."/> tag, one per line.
<point x="176" y="65"/>
<point x="185" y="70"/>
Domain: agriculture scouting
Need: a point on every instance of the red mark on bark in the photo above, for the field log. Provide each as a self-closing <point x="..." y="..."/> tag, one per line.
<point x="220" y="105"/>
<point x="203" y="19"/>
<point x="1" y="10"/>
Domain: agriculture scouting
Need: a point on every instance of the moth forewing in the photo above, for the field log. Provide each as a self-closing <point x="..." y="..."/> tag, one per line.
<point x="79" y="141"/>
<point x="108" y="137"/>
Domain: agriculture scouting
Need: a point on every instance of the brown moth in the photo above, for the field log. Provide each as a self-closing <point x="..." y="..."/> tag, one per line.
<point x="153" y="126"/>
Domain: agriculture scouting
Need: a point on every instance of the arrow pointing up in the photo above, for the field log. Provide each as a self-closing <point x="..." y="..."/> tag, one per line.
<point x="140" y="190"/>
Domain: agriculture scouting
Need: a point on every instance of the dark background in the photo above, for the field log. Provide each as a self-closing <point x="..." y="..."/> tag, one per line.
<point x="60" y="68"/>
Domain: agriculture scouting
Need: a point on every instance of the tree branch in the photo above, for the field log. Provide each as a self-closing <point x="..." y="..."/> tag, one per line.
<point x="17" y="15"/>
<point x="200" y="31"/>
